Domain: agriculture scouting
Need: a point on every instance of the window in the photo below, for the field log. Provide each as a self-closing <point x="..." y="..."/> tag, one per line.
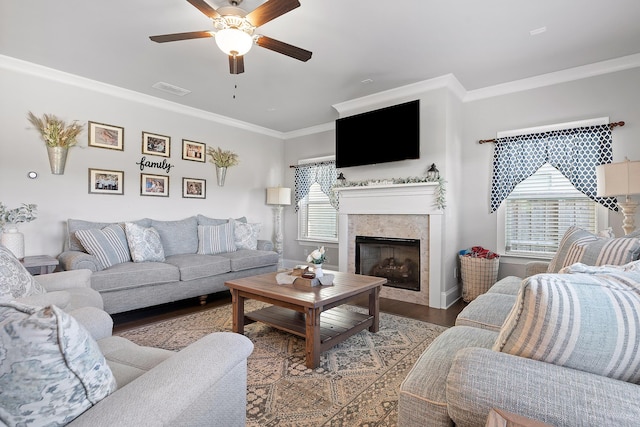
<point x="317" y="219"/>
<point x="540" y="209"/>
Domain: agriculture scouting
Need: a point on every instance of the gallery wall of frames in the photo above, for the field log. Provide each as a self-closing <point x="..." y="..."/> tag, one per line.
<point x="155" y="153"/>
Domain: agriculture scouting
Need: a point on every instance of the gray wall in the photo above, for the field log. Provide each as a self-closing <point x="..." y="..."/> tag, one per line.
<point x="60" y="197"/>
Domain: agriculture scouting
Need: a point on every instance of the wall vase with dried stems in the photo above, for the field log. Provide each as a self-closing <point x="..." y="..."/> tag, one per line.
<point x="57" y="159"/>
<point x="221" y="173"/>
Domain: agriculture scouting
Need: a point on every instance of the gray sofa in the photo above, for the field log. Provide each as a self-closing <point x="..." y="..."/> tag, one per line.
<point x="201" y="385"/>
<point x="461" y="376"/>
<point x="184" y="273"/>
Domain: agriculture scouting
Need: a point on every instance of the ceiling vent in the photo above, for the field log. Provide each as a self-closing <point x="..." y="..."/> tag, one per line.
<point x="166" y="87"/>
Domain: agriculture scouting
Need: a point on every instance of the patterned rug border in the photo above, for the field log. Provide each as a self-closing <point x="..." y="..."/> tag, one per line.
<point x="356" y="383"/>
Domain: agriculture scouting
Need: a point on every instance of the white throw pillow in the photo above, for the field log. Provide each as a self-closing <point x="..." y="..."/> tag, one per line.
<point x="246" y="235"/>
<point x="51" y="369"/>
<point x="144" y="243"/>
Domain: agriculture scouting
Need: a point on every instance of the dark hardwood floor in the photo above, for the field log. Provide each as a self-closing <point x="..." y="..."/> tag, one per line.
<point x="132" y="319"/>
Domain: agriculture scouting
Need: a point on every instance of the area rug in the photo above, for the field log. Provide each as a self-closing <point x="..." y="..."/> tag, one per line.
<point x="356" y="383"/>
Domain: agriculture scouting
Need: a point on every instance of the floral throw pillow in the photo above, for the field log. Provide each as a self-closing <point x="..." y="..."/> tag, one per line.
<point x="51" y="369"/>
<point x="144" y="243"/>
<point x="246" y="235"/>
<point x="15" y="280"/>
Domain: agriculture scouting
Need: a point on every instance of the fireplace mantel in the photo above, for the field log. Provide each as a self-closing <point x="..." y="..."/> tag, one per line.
<point x="396" y="199"/>
<point x="414" y="198"/>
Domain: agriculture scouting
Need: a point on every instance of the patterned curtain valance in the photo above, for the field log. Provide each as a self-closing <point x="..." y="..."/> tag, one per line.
<point x="323" y="173"/>
<point x="574" y="152"/>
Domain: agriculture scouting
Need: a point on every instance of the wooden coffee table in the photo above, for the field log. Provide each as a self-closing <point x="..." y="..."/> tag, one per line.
<point x="312" y="313"/>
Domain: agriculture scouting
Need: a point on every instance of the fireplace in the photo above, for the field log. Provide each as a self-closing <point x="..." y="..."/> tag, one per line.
<point x="396" y="211"/>
<point x="396" y="259"/>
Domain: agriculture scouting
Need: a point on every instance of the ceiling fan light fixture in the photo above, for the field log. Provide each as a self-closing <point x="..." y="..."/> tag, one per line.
<point x="233" y="41"/>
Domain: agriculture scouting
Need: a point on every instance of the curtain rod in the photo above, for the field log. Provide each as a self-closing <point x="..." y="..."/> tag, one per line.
<point x="326" y="162"/>
<point x="611" y="125"/>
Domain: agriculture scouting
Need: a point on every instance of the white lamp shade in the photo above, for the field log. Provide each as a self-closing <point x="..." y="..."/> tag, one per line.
<point x="278" y="196"/>
<point x="618" y="179"/>
<point x="233" y="40"/>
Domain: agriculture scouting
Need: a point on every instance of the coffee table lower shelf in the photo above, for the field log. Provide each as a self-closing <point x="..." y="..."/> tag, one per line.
<point x="336" y="325"/>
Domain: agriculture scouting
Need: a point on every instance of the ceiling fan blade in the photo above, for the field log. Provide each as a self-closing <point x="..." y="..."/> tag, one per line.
<point x="236" y="64"/>
<point x="284" y="48"/>
<point x="271" y="10"/>
<point x="181" y="36"/>
<point x="204" y="7"/>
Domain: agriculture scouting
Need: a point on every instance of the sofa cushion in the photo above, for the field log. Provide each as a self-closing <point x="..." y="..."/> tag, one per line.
<point x="128" y="360"/>
<point x="193" y="266"/>
<point x="108" y="244"/>
<point x="246" y="235"/>
<point x="244" y="259"/>
<point x="178" y="237"/>
<point x="144" y="243"/>
<point x="507" y="286"/>
<point x="215" y="239"/>
<point x="205" y="220"/>
<point x="15" y="280"/>
<point x="487" y="311"/>
<point x="73" y="225"/>
<point x="583" y="321"/>
<point x="422" y="394"/>
<point x="51" y="369"/>
<point x="131" y="275"/>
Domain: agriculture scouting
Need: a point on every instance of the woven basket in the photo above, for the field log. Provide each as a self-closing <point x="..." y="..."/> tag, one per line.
<point x="478" y="275"/>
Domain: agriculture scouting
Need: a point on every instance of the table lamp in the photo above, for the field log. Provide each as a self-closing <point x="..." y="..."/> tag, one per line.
<point x="621" y="179"/>
<point x="278" y="197"/>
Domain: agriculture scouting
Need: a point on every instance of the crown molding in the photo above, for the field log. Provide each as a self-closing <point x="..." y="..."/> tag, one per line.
<point x="29" y="68"/>
<point x="448" y="81"/>
<point x="392" y="95"/>
<point x="549" y="79"/>
<point x="309" y="131"/>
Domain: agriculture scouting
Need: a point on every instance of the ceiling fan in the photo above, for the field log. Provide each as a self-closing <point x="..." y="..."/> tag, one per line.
<point x="235" y="30"/>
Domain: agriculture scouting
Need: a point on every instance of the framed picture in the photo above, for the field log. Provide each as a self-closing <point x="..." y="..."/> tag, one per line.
<point x="154" y="185"/>
<point x="102" y="181"/>
<point x="192" y="150"/>
<point x="194" y="188"/>
<point x="106" y="136"/>
<point x="157" y="145"/>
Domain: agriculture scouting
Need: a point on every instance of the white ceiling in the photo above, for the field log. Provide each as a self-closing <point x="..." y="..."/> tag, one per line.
<point x="392" y="43"/>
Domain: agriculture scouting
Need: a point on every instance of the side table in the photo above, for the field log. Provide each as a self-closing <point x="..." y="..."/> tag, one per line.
<point x="40" y="264"/>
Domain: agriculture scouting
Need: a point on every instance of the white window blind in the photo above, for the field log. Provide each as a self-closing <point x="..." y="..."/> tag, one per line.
<point x="317" y="219"/>
<point x="540" y="209"/>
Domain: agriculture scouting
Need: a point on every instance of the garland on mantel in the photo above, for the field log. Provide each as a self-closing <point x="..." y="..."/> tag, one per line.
<point x="440" y="190"/>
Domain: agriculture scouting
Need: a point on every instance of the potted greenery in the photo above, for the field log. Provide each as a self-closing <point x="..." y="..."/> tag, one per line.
<point x="58" y="136"/>
<point x="222" y="159"/>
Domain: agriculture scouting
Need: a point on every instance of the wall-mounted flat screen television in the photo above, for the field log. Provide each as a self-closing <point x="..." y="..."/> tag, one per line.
<point x="389" y="134"/>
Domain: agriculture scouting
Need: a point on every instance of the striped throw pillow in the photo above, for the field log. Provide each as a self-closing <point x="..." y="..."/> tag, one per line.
<point x="571" y="236"/>
<point x="215" y="239"/>
<point x="603" y="252"/>
<point x="108" y="244"/>
<point x="588" y="322"/>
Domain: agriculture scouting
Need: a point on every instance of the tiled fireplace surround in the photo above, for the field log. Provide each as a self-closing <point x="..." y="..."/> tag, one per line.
<point x="401" y="211"/>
